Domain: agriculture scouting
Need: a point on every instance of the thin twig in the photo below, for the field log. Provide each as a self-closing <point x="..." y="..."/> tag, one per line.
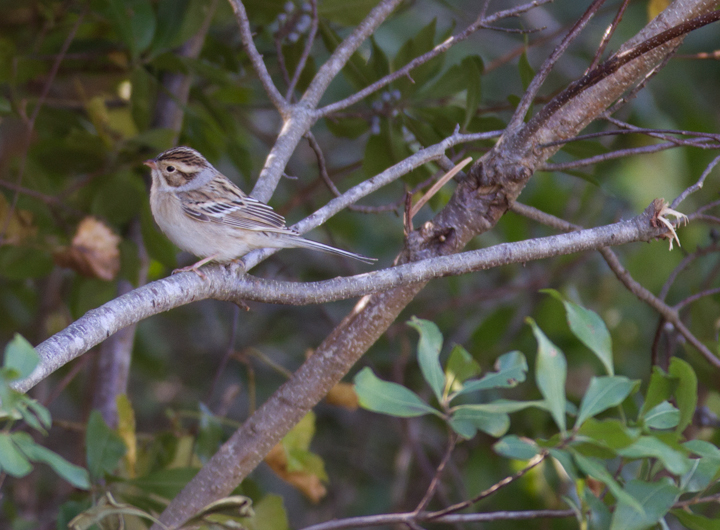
<point x="698" y="185"/>
<point x="609" y="32"/>
<point x="667" y="312"/>
<point x="256" y="59"/>
<point x="322" y="169"/>
<point x="612" y="65"/>
<point x="306" y="51"/>
<point x="620" y="153"/>
<point x="403" y="518"/>
<point x="534" y="461"/>
<point x="687" y="260"/>
<point x="695" y="298"/>
<point x="438" y="473"/>
<point x="532" y="90"/>
<point x="634" y="91"/>
<point x="368" y="186"/>
<point x="657" y="133"/>
<point x="437" y="50"/>
<point x="229" y="351"/>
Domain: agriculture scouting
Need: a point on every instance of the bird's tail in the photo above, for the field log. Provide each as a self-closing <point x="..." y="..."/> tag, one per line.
<point x="314" y="245"/>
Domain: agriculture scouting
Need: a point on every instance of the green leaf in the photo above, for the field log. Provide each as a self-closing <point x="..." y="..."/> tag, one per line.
<point x="508" y="406"/>
<point x="693" y="521"/>
<point x="686" y="392"/>
<point x="389" y="398"/>
<point x="221" y="512"/>
<point x="20" y="356"/>
<point x="526" y="71"/>
<point x="564" y="458"/>
<point x="454" y="80"/>
<point x="40" y="412"/>
<point x="603" y="393"/>
<point x="269" y="514"/>
<point x="515" y="447"/>
<point x="166" y="483"/>
<point x="347" y="127"/>
<point x="429" y="347"/>
<point x="23" y="262"/>
<point x="587" y="326"/>
<point x="105" y="447"/>
<point x="664" y="416"/>
<point x="134" y="21"/>
<point x="106" y="507"/>
<point x="209" y="436"/>
<point x="180" y="20"/>
<point x="142" y="99"/>
<point x="596" y="469"/>
<point x="356" y="70"/>
<point x="660" y="389"/>
<point x="346" y="13"/>
<point x="511" y="369"/>
<point x="472" y="66"/>
<point x="550" y="374"/>
<point x="12" y="460"/>
<point x="650" y="447"/>
<point x="599" y="516"/>
<point x="703" y="471"/>
<point x="75" y="475"/>
<point x="378" y="60"/>
<point x="611" y="433"/>
<point x="460" y="367"/>
<point x="422" y="42"/>
<point x="467" y="419"/>
<point x="656" y="499"/>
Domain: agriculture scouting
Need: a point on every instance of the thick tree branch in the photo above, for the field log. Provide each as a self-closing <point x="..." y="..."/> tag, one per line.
<point x="223" y="283"/>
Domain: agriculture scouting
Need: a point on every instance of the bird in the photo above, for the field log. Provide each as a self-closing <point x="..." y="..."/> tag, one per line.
<point x="205" y="213"/>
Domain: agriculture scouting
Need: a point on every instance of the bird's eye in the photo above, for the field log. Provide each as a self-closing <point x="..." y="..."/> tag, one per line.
<point x="170" y="169"/>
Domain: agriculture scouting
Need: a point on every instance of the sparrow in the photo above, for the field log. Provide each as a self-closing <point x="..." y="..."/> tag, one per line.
<point x="203" y="212"/>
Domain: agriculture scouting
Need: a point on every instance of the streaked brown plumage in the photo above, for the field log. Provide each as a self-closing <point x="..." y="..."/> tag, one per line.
<point x="203" y="212"/>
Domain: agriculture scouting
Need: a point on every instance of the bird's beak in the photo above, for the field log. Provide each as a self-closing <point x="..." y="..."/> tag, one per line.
<point x="150" y="163"/>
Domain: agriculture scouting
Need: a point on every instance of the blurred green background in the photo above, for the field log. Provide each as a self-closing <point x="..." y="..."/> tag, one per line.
<point x="99" y="121"/>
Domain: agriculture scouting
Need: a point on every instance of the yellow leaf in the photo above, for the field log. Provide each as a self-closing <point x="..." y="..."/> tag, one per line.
<point x="126" y="430"/>
<point x="295" y="464"/>
<point x="343" y="395"/>
<point x="655" y="7"/>
<point x="20" y="225"/>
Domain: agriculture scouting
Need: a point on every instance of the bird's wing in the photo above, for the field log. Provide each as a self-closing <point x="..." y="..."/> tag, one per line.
<point x="221" y="201"/>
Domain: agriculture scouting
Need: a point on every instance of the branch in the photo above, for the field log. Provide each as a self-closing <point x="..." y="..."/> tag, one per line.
<point x="537" y="81"/>
<point x="222" y="283"/>
<point x="366" y="187"/>
<point x="256" y="59"/>
<point x="410" y="517"/>
<point x="301" y="115"/>
<point x="477" y="204"/>
<point x="670" y="314"/>
<point x="647" y="149"/>
<point x="422" y="59"/>
<point x="614" y="64"/>
<point x="306" y="51"/>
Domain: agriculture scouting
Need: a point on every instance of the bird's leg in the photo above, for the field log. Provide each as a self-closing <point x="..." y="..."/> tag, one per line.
<point x="194" y="268"/>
